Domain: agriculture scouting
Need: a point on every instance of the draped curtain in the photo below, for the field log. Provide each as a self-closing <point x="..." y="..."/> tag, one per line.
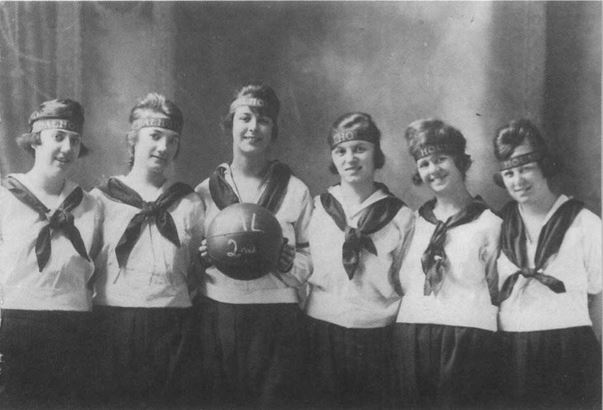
<point x="40" y="59"/>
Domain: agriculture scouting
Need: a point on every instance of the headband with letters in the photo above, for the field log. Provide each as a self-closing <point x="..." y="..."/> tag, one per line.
<point x="425" y="150"/>
<point x="520" y="160"/>
<point x="55" y="124"/>
<point x="358" y="134"/>
<point x="165" y="123"/>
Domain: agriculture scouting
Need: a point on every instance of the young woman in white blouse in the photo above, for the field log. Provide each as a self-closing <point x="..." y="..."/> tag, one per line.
<point x="445" y="336"/>
<point x="251" y="329"/>
<point x="550" y="268"/>
<point x="151" y="232"/>
<point x="357" y="234"/>
<point x="49" y="236"/>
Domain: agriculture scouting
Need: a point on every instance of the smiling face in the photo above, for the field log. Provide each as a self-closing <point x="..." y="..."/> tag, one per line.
<point x="526" y="184"/>
<point x="251" y="131"/>
<point x="58" y="149"/>
<point x="354" y="161"/>
<point x="155" y="148"/>
<point x="439" y="173"/>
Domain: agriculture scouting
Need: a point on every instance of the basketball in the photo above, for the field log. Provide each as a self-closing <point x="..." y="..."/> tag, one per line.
<point x="244" y="241"/>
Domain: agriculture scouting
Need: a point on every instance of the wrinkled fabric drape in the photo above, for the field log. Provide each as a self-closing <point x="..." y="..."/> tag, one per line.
<point x="40" y="59"/>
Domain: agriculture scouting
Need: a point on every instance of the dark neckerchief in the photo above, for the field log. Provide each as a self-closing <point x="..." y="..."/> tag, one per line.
<point x="513" y="244"/>
<point x="151" y="212"/>
<point x="277" y="181"/>
<point x="434" y="260"/>
<point x="373" y="218"/>
<point x="60" y="221"/>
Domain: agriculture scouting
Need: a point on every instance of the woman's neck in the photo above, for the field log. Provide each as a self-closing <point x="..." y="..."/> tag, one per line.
<point x="51" y="184"/>
<point x="249" y="166"/>
<point x="355" y="194"/>
<point x="541" y="206"/>
<point x="452" y="202"/>
<point x="143" y="177"/>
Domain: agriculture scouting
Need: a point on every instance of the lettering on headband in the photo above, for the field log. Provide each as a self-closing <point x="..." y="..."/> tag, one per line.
<point x="55" y="124"/>
<point x="429" y="149"/>
<point x="155" y="122"/>
<point x="521" y="160"/>
<point x="351" y="135"/>
<point x="246" y="101"/>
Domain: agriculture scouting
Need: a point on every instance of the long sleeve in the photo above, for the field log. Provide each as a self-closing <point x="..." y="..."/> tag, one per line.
<point x="302" y="264"/>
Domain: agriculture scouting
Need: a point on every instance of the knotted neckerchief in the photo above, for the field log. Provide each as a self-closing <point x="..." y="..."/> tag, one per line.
<point x="60" y="220"/>
<point x="434" y="259"/>
<point x="373" y="218"/>
<point x="151" y="212"/>
<point x="513" y="244"/>
<point x="277" y="181"/>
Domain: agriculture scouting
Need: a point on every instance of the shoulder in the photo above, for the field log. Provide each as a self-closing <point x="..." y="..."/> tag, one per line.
<point x="489" y="218"/>
<point x="404" y="217"/>
<point x="588" y="222"/>
<point x="203" y="193"/>
<point x="298" y="188"/>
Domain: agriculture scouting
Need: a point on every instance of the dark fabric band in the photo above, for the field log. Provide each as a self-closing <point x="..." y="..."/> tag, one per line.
<point x="513" y="244"/>
<point x="375" y="217"/>
<point x="60" y="221"/>
<point x="153" y="212"/>
<point x="521" y="160"/>
<point x="434" y="260"/>
<point x="277" y="182"/>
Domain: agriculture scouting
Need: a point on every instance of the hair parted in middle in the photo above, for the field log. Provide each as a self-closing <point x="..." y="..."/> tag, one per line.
<point x="270" y="108"/>
<point x="362" y="127"/>
<point x="423" y="133"/>
<point x="147" y="106"/>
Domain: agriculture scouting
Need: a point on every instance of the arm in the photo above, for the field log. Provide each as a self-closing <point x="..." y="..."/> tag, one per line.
<point x="301" y="266"/>
<point x="489" y="254"/>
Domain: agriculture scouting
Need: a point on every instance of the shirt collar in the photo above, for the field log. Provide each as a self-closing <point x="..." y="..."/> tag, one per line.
<point x="354" y="211"/>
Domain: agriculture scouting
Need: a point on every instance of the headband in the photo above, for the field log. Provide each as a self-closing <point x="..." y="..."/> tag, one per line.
<point x="425" y="150"/>
<point x="166" y="123"/>
<point x="55" y="124"/>
<point x="521" y="160"/>
<point x="246" y="101"/>
<point x="352" y="135"/>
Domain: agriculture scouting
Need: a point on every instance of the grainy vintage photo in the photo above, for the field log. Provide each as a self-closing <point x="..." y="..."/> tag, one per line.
<point x="300" y="205"/>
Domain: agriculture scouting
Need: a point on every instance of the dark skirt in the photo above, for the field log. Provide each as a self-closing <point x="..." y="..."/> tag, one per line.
<point x="44" y="357"/>
<point x="441" y="366"/>
<point x="143" y="355"/>
<point x="349" y="368"/>
<point x="552" y="369"/>
<point x="253" y="354"/>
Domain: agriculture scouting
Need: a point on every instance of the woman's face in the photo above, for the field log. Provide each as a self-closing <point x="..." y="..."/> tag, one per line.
<point x="58" y="149"/>
<point x="526" y="184"/>
<point x="439" y="173"/>
<point x="155" y="148"/>
<point x="251" y="131"/>
<point x="354" y="161"/>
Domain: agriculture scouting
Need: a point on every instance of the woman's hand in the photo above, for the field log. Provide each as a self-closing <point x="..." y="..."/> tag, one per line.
<point x="203" y="255"/>
<point x="285" y="262"/>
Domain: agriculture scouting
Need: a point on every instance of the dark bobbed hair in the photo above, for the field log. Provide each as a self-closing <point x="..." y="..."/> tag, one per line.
<point x="64" y="109"/>
<point x="152" y="103"/>
<point x="432" y="131"/>
<point x="516" y="132"/>
<point x="260" y="91"/>
<point x="360" y="123"/>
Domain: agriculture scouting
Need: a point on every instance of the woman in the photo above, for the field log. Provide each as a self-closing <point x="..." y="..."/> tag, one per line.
<point x="357" y="234"/>
<point x="550" y="268"/>
<point x="444" y="338"/>
<point x="49" y="235"/>
<point x="251" y="333"/>
<point x="152" y="229"/>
